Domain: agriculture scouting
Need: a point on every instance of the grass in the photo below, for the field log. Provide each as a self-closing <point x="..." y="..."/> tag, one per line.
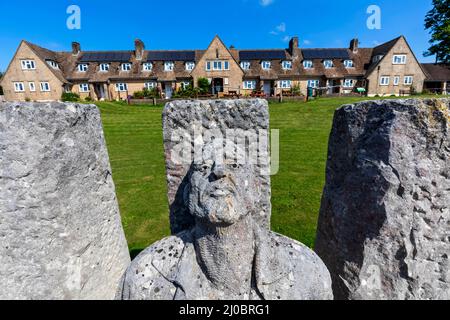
<point x="134" y="139"/>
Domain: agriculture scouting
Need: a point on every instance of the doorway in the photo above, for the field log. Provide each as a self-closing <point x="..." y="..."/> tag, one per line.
<point x="217" y="85"/>
<point x="100" y="91"/>
<point x="267" y="87"/>
<point x="168" y="90"/>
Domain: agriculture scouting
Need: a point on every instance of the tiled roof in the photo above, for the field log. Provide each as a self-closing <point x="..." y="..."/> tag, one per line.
<point x="171" y="55"/>
<point x="273" y="54"/>
<point x="436" y="72"/>
<point x="336" y="53"/>
<point x="106" y="56"/>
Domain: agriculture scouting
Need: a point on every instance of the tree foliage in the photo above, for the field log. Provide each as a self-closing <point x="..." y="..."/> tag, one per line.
<point x="437" y="21"/>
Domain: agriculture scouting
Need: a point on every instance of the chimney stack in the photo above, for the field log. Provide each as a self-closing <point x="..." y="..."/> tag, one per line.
<point x="76" y="48"/>
<point x="293" y="46"/>
<point x="139" y="48"/>
<point x="354" y="45"/>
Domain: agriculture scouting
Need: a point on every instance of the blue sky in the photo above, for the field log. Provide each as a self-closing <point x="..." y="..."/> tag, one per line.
<point x="192" y="24"/>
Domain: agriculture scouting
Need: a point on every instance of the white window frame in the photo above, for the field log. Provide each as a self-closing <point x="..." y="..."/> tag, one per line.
<point x="185" y="84"/>
<point x="377" y="58"/>
<point x="147" y="66"/>
<point x="208" y="66"/>
<point x="409" y="82"/>
<point x="218" y="65"/>
<point x="104" y="67"/>
<point x="249" y="84"/>
<point x="32" y="86"/>
<point x="121" y="87"/>
<point x="125" y="67"/>
<point x="383" y="81"/>
<point x="245" y="65"/>
<point x="82" y="67"/>
<point x="285" y="84"/>
<point x="349" y="83"/>
<point x="84" y="87"/>
<point x="399" y="59"/>
<point x="150" y="85"/>
<point x="190" y="65"/>
<point x="396" y="80"/>
<point x="308" y="64"/>
<point x="28" y="65"/>
<point x="53" y="64"/>
<point x="328" y="64"/>
<point x="169" y="66"/>
<point x="266" y="65"/>
<point x="286" y="65"/>
<point x="226" y="65"/>
<point x="349" y="63"/>
<point x="44" y="86"/>
<point x="19" y="87"/>
<point x="313" y="83"/>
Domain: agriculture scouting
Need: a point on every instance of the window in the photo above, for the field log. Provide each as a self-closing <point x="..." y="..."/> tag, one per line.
<point x="84" y="87"/>
<point x="226" y="65"/>
<point x="121" y="87"/>
<point x="126" y="66"/>
<point x="217" y="65"/>
<point x="190" y="66"/>
<point x="208" y="66"/>
<point x="150" y="85"/>
<point x="266" y="65"/>
<point x="245" y="65"/>
<point x="168" y="66"/>
<point x="32" y="86"/>
<point x="384" y="81"/>
<point x="308" y="64"/>
<point x="28" y="65"/>
<point x="82" y="68"/>
<point x="377" y="58"/>
<point x="313" y="83"/>
<point x="250" y="84"/>
<point x="185" y="84"/>
<point x="286" y="65"/>
<point x="19" y="87"/>
<point x="45" y="86"/>
<point x="348" y="83"/>
<point x="53" y="64"/>
<point x="285" y="84"/>
<point x="104" y="67"/>
<point x="396" y="80"/>
<point x="328" y="64"/>
<point x="399" y="59"/>
<point x="148" y="66"/>
<point x="348" y="63"/>
<point x="408" y="80"/>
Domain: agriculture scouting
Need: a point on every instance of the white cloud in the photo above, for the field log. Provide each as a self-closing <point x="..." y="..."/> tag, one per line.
<point x="282" y="27"/>
<point x="273" y="33"/>
<point x="265" y="3"/>
<point x="286" y="39"/>
<point x="306" y="42"/>
<point x="376" y="42"/>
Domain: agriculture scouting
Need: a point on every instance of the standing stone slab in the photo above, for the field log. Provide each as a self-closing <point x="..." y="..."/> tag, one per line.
<point x="60" y="230"/>
<point x="384" y="227"/>
<point x="249" y="115"/>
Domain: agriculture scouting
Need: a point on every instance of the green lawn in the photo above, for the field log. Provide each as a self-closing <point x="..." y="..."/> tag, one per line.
<point x="134" y="139"/>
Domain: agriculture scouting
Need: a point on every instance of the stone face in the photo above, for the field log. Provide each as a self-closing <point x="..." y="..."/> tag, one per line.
<point x="226" y="251"/>
<point x="384" y="227"/>
<point x="60" y="230"/>
<point x="191" y="117"/>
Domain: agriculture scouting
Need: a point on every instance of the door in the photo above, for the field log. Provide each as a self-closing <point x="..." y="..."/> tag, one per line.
<point x="168" y="90"/>
<point x="267" y="88"/>
<point x="217" y="85"/>
<point x="100" y="92"/>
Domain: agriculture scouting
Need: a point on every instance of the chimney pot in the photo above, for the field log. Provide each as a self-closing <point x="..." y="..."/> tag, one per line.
<point x="139" y="49"/>
<point x="76" y="48"/>
<point x="354" y="45"/>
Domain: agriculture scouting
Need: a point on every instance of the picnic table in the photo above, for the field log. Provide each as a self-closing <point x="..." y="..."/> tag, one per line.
<point x="258" y="94"/>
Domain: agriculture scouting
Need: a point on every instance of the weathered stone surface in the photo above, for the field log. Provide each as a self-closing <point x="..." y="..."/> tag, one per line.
<point x="384" y="227"/>
<point x="227" y="252"/>
<point x="222" y="115"/>
<point x="60" y="230"/>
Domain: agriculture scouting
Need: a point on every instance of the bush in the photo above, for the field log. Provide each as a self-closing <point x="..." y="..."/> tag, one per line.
<point x="203" y="85"/>
<point x="296" y="90"/>
<point x="70" y="97"/>
<point x="147" y="94"/>
<point x="88" y="99"/>
<point x="188" y="92"/>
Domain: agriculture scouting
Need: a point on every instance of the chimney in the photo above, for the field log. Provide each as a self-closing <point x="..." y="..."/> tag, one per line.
<point x="139" y="48"/>
<point x="76" y="48"/>
<point x="293" y="46"/>
<point x="354" y="45"/>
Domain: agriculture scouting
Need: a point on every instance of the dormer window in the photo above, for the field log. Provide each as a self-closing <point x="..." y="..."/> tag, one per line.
<point x="190" y="66"/>
<point x="266" y="65"/>
<point x="245" y="65"/>
<point x="377" y="58"/>
<point x="328" y="64"/>
<point x="286" y="65"/>
<point x="104" y="67"/>
<point x="82" y="67"/>
<point x="148" y="66"/>
<point x="168" y="66"/>
<point x="399" y="59"/>
<point x="348" y="63"/>
<point x="28" y="65"/>
<point x="307" y="64"/>
<point x="53" y="64"/>
<point x="126" y="66"/>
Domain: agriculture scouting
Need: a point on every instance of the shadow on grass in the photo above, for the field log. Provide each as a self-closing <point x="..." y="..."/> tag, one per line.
<point x="134" y="252"/>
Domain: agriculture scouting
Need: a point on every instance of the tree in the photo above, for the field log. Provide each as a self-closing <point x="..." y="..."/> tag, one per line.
<point x="437" y="21"/>
<point x="203" y="85"/>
